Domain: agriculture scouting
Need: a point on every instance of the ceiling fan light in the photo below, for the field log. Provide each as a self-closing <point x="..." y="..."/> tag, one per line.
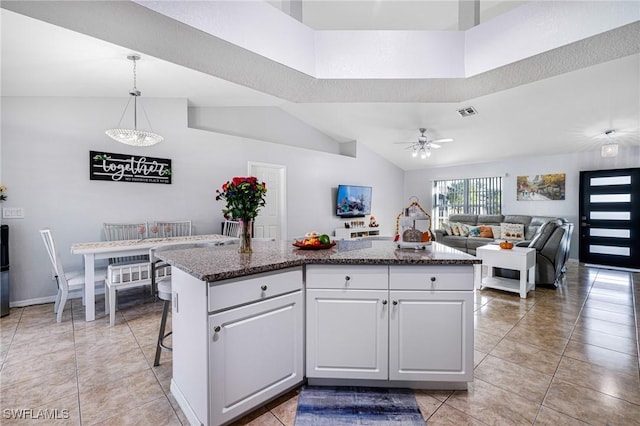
<point x="423" y="153"/>
<point x="428" y="152"/>
<point x="609" y="150"/>
<point x="414" y="154"/>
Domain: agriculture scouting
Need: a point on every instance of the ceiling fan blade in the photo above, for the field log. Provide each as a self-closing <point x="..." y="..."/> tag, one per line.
<point x="402" y="143"/>
<point x="434" y="145"/>
<point x="442" y="140"/>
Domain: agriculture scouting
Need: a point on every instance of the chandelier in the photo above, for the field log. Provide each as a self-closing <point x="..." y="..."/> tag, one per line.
<point x="134" y="136"/>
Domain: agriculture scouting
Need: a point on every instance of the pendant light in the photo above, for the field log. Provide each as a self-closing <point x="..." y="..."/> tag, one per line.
<point x="134" y="136"/>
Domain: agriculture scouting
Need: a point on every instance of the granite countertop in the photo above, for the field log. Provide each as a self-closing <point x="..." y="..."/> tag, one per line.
<point x="224" y="262"/>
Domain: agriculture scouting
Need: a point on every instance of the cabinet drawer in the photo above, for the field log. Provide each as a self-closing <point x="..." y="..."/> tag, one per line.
<point x="229" y="293"/>
<point x="362" y="277"/>
<point x="431" y="277"/>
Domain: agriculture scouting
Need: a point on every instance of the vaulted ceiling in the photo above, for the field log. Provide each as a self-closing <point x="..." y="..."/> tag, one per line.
<point x="555" y="93"/>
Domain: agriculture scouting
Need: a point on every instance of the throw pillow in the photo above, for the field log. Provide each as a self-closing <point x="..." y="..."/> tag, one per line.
<point x="512" y="231"/>
<point x="485" y="231"/>
<point x="474" y="231"/>
<point x="455" y="228"/>
<point x="446" y="227"/>
<point x="464" y="230"/>
<point x="496" y="231"/>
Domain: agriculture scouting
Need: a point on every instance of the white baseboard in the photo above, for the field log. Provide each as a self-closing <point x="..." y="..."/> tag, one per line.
<point x="47" y="299"/>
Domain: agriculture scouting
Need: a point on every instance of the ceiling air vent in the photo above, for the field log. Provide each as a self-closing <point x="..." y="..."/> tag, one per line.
<point x="465" y="112"/>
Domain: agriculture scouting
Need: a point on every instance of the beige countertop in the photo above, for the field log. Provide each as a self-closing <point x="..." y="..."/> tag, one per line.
<point x="224" y="262"/>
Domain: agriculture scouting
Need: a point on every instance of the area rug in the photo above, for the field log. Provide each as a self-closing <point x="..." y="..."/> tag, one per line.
<point x="335" y="406"/>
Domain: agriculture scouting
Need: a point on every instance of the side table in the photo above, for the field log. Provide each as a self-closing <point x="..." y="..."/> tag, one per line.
<point x="522" y="259"/>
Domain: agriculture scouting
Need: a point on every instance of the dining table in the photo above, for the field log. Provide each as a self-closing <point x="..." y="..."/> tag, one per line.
<point x="93" y="251"/>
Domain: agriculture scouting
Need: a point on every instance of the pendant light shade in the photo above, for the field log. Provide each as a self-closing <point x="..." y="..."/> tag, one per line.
<point x="134" y="136"/>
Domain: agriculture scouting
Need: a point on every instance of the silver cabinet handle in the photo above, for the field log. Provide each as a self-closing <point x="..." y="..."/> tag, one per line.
<point x="217" y="329"/>
<point x="395" y="302"/>
<point x="346" y="280"/>
<point x="263" y="288"/>
<point x="433" y="280"/>
<point x="384" y="302"/>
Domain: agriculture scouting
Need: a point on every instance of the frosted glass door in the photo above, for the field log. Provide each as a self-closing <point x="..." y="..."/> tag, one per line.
<point x="610" y="217"/>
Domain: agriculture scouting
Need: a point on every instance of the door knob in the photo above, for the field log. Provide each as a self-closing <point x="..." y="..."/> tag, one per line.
<point x="384" y="302"/>
<point x="263" y="288"/>
<point x="395" y="302"/>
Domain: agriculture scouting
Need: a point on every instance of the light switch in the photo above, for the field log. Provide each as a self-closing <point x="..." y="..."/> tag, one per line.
<point x="12" y="213"/>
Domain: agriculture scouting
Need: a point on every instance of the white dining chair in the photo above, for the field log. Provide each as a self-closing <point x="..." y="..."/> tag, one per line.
<point x="67" y="281"/>
<point x="126" y="231"/>
<point x="231" y="228"/>
<point x="176" y="228"/>
<point x="121" y="276"/>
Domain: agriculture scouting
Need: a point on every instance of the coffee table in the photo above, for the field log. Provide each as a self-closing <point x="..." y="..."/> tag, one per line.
<point x="522" y="259"/>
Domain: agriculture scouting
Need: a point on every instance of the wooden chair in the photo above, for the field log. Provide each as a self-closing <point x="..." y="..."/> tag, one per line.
<point x="67" y="280"/>
<point x="178" y="228"/>
<point x="231" y="228"/>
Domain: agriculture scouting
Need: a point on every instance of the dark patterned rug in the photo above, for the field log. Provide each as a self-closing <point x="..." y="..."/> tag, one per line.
<point x="334" y="406"/>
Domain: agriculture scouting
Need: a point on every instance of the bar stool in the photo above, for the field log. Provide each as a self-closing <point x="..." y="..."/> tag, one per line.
<point x="164" y="294"/>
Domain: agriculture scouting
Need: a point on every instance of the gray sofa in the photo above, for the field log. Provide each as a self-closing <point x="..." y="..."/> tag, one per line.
<point x="550" y="236"/>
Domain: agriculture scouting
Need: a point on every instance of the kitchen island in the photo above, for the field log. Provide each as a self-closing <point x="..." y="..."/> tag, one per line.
<point x="247" y="328"/>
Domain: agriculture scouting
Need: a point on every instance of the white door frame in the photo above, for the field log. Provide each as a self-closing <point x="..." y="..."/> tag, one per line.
<point x="282" y="208"/>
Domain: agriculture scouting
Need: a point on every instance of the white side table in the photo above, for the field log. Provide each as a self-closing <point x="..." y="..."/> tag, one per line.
<point x="522" y="259"/>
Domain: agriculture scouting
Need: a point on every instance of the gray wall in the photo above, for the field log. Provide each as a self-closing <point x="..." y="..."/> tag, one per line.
<point x="420" y="182"/>
<point x="44" y="163"/>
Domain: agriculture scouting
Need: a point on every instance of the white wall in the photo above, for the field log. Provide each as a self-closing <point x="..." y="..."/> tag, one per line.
<point x="45" y="163"/>
<point x="420" y="182"/>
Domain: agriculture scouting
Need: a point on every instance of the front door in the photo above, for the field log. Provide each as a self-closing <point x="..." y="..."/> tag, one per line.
<point x="610" y="217"/>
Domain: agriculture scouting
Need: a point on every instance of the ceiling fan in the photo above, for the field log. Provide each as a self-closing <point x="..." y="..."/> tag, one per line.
<point x="424" y="145"/>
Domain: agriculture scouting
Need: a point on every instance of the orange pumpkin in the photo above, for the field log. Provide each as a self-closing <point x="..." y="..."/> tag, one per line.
<point x="506" y="245"/>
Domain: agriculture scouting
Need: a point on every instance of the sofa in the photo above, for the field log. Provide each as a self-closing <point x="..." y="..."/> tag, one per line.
<point x="550" y="236"/>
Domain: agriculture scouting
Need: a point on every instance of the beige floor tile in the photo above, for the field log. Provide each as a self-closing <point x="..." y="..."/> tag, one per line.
<point x="616" y="361"/>
<point x="112" y="370"/>
<point x="547" y="326"/>
<point x="29" y="367"/>
<point x="449" y="416"/>
<point x="440" y="395"/>
<point x="613" y="328"/>
<point x="485" y="342"/>
<point x="427" y="404"/>
<point x="606" y="306"/>
<point x="172" y="400"/>
<point x="549" y="417"/>
<point x="29" y="335"/>
<point x="519" y="380"/>
<point x="497" y="327"/>
<point x="40" y="346"/>
<point x="285" y="411"/>
<point x="64" y="411"/>
<point x="38" y="391"/>
<point x="101" y="402"/>
<point x="626" y="319"/>
<point x="478" y="357"/>
<point x="538" y="338"/>
<point x="258" y="417"/>
<point x="157" y="413"/>
<point x="493" y="405"/>
<point x="527" y="356"/>
<point x="590" y="406"/>
<point x="605" y="340"/>
<point x="620" y="385"/>
<point x="618" y="299"/>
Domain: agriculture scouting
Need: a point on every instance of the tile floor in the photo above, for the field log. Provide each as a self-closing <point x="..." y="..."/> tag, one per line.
<point x="566" y="356"/>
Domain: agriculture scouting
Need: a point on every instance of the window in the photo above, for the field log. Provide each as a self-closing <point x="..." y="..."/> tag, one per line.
<point x="472" y="196"/>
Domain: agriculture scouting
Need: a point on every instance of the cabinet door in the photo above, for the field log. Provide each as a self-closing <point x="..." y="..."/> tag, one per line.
<point x="347" y="334"/>
<point x="431" y="335"/>
<point x="255" y="353"/>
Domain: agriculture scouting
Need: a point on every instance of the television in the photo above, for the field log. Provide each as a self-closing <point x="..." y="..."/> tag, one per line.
<point x="353" y="201"/>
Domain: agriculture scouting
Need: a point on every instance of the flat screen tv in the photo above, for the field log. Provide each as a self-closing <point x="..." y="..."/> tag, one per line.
<point x="353" y="201"/>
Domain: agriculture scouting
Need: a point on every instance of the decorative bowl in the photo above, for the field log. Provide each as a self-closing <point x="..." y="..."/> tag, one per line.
<point x="302" y="246"/>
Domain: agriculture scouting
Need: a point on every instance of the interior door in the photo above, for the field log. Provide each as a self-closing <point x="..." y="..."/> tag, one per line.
<point x="610" y="217"/>
<point x="272" y="217"/>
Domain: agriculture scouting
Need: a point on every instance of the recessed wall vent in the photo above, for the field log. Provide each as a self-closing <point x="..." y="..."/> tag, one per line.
<point x="466" y="112"/>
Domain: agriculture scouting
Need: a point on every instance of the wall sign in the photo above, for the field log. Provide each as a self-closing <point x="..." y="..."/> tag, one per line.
<point x="128" y="168"/>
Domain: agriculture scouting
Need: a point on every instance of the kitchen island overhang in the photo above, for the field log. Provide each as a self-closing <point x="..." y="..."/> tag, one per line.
<point x="249" y="327"/>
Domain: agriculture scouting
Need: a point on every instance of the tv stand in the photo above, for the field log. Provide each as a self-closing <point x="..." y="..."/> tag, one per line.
<point x="362" y="231"/>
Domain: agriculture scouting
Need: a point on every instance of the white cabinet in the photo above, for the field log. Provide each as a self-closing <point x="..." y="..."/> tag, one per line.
<point x="255" y="353"/>
<point x="236" y="343"/>
<point x="364" y="231"/>
<point x="347" y="334"/>
<point x="408" y="324"/>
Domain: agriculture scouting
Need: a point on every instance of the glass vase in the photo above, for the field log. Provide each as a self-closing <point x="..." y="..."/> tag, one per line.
<point x="245" y="235"/>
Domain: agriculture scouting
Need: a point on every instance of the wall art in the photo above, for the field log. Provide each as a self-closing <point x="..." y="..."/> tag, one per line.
<point x="541" y="187"/>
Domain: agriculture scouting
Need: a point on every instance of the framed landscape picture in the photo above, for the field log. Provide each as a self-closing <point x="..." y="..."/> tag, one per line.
<point x="541" y="187"/>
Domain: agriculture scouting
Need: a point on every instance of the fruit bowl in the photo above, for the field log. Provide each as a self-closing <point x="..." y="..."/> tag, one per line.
<point x="507" y="245"/>
<point x="303" y="246"/>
